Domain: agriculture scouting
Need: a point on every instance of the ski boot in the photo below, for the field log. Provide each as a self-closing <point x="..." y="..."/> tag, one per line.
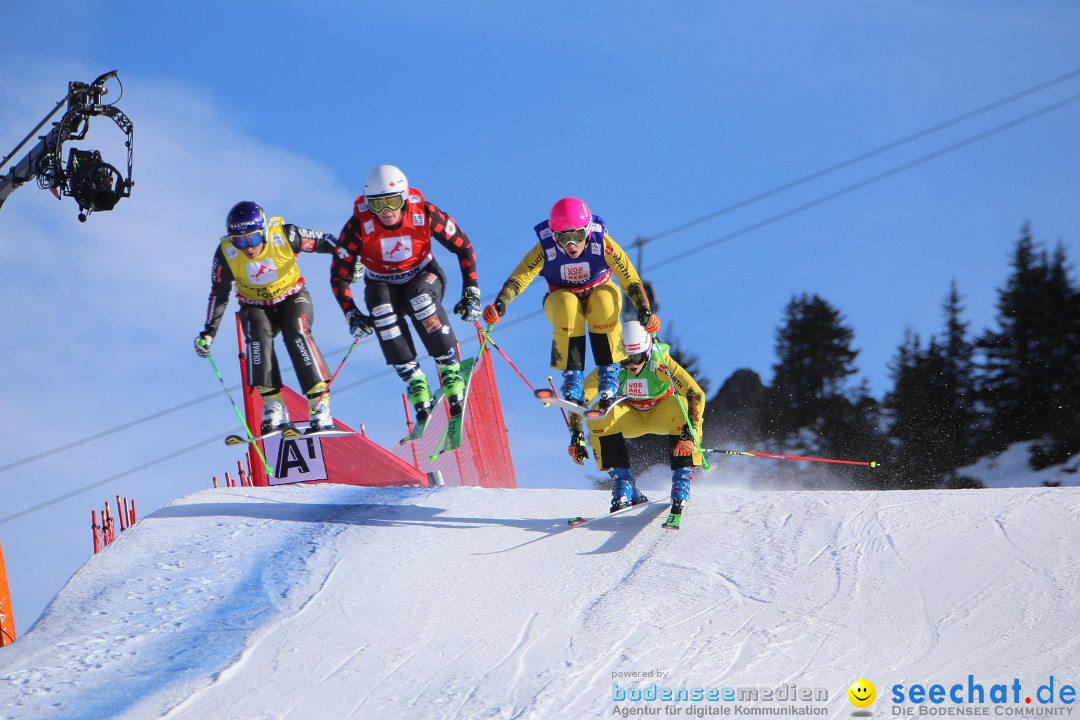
<point x="573" y="386"/>
<point x="608" y="375"/>
<point x="319" y="412"/>
<point x="680" y="489"/>
<point x="275" y="416"/>
<point x="625" y="493"/>
<point x="453" y="385"/>
<point x="416" y="388"/>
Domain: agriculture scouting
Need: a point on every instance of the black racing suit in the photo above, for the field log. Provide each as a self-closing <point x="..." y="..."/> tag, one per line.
<point x="291" y="314"/>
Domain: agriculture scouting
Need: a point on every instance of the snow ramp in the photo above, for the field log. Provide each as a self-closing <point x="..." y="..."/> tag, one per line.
<point x="334" y="601"/>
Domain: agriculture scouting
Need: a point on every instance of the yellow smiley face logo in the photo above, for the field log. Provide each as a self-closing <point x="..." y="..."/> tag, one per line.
<point x="861" y="693"/>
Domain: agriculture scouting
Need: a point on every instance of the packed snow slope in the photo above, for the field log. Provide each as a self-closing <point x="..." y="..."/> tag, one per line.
<point x="344" y="602"/>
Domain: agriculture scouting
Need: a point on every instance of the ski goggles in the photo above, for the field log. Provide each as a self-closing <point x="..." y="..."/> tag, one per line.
<point x="636" y="359"/>
<point x="247" y="240"/>
<point x="392" y="202"/>
<point x="570" y="237"/>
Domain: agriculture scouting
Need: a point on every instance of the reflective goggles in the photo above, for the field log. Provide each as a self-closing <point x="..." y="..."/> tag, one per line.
<point x="570" y="237"/>
<point x="378" y="204"/>
<point x="247" y="240"/>
<point x="636" y="359"/>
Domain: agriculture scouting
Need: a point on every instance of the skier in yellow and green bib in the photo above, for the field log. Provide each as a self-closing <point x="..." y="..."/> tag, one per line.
<point x="661" y="396"/>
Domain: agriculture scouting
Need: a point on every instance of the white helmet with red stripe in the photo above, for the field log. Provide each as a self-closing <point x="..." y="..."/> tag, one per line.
<point x="635" y="338"/>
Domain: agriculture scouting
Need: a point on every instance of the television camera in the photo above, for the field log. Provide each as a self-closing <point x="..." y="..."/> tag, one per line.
<point x="95" y="184"/>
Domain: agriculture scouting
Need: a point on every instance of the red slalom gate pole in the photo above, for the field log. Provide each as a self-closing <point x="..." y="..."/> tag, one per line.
<point x="774" y="456"/>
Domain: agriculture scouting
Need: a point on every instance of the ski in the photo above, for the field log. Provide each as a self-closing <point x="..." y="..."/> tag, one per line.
<point x="579" y="521"/>
<point x="287" y="432"/>
<point x="291" y="433"/>
<point x="548" y="397"/>
<point x="452" y="438"/>
<point x="596" y="413"/>
<point x="674" y="518"/>
<point x="418" y="428"/>
<point x="309" y="433"/>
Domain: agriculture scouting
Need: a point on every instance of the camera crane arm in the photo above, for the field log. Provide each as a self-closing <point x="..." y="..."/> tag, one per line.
<point x="94" y="184"/>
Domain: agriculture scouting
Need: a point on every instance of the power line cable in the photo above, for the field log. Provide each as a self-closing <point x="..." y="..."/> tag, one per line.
<point x="858" y="158"/>
<point x="110" y="431"/>
<point x="99" y="483"/>
<point x="871" y="180"/>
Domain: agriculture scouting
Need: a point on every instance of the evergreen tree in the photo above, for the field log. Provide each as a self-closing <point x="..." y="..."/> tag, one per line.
<point x="1060" y="419"/>
<point x="1030" y="374"/>
<point x="932" y="403"/>
<point x="959" y="424"/>
<point x="814" y="358"/>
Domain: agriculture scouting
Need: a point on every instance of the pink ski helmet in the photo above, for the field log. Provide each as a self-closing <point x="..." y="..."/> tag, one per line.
<point x="569" y="214"/>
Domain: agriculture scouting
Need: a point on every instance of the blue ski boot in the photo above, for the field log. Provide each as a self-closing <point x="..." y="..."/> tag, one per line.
<point x="680" y="488"/>
<point x="608" y="387"/>
<point x="622" y="492"/>
<point x="625" y="491"/>
<point x="573" y="386"/>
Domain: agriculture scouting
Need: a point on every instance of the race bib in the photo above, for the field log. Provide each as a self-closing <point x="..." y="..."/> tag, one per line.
<point x="575" y="273"/>
<point x="637" y="389"/>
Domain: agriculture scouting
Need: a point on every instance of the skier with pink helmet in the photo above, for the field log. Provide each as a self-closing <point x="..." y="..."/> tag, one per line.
<point x="580" y="262"/>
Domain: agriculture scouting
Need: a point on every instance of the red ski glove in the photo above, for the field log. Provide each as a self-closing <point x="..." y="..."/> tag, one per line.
<point x="649" y="322"/>
<point x="685" y="446"/>
<point x="494" y="312"/>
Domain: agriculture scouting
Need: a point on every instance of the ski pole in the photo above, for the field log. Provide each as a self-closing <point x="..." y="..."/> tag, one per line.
<point x="326" y="390"/>
<point x="869" y="463"/>
<point x="243" y="422"/>
<point x="551" y="382"/>
<point x="487" y="337"/>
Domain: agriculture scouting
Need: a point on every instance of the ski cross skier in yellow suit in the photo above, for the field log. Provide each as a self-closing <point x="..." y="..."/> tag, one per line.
<point x="661" y="396"/>
<point x="258" y="255"/>
<point x="578" y="259"/>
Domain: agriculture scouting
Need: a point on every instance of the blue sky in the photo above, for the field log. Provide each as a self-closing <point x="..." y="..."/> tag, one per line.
<point x="655" y="114"/>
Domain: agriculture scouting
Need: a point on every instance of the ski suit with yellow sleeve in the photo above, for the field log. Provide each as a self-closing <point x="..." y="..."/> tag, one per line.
<point x="582" y="295"/>
<point x="652" y="407"/>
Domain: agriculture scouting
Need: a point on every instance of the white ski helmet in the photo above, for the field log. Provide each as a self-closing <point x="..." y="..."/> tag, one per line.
<point x="386" y="180"/>
<point x="635" y="338"/>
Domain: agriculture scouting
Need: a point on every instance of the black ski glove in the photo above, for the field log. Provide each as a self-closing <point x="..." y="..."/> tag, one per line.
<point x="468" y="306"/>
<point x="577" y="450"/>
<point x="359" y="323"/>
